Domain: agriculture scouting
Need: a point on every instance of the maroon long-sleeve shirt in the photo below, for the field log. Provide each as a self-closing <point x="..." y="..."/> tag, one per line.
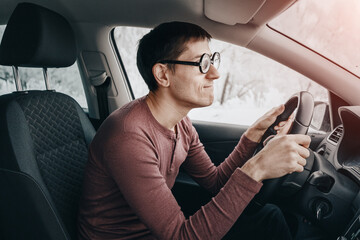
<point x="133" y="163"/>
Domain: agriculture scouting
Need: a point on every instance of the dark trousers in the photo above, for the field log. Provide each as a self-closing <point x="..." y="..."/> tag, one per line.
<point x="267" y="223"/>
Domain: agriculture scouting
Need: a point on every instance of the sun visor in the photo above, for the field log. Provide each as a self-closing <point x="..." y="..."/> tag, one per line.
<point x="232" y="12"/>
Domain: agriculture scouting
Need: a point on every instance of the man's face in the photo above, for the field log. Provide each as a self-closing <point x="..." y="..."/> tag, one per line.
<point x="190" y="87"/>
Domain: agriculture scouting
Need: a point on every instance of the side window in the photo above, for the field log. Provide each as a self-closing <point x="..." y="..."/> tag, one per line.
<point x="126" y="41"/>
<point x="250" y="83"/>
<point x="65" y="80"/>
<point x="68" y="81"/>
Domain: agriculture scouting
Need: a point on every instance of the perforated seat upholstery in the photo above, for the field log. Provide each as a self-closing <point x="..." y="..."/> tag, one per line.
<point x="44" y="136"/>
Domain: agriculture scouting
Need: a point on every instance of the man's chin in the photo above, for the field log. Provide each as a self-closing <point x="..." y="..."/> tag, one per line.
<point x="205" y="103"/>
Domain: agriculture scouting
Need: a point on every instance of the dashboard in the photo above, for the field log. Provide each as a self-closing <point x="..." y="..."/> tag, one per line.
<point x="341" y="149"/>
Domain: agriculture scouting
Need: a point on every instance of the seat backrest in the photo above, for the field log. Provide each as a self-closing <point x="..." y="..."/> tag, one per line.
<point x="44" y="135"/>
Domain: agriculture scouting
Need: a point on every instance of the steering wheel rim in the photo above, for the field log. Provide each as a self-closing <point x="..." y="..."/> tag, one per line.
<point x="304" y="103"/>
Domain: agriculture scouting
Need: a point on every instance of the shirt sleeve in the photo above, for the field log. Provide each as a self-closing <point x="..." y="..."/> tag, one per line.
<point x="136" y="172"/>
<point x="200" y="167"/>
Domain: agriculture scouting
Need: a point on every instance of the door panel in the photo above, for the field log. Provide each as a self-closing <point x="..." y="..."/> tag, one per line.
<point x="219" y="140"/>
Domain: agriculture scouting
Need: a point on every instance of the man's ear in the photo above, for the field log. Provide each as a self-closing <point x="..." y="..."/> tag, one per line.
<point x="160" y="71"/>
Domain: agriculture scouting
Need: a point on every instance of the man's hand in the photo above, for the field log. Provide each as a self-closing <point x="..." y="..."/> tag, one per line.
<point x="257" y="130"/>
<point x="284" y="127"/>
<point x="282" y="155"/>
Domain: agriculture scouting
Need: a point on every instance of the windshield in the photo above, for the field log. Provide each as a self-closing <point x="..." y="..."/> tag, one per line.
<point x="330" y="27"/>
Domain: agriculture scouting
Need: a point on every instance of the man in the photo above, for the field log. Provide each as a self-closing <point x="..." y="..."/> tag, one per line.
<point x="136" y="154"/>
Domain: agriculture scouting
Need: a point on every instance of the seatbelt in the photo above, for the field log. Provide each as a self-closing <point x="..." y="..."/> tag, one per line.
<point x="101" y="83"/>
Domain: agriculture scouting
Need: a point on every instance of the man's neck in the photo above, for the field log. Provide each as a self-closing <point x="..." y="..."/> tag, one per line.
<point x="166" y="112"/>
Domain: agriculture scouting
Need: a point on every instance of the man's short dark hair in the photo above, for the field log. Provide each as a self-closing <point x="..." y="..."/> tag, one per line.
<point x="165" y="42"/>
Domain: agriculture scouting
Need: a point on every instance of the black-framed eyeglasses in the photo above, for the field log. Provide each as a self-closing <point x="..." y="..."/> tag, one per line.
<point x="204" y="64"/>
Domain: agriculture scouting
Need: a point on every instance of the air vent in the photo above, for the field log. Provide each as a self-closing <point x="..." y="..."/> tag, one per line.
<point x="335" y="136"/>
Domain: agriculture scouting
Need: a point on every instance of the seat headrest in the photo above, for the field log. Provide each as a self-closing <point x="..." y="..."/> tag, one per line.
<point x="37" y="37"/>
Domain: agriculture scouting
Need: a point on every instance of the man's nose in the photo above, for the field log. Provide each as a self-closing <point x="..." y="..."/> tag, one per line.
<point x="213" y="73"/>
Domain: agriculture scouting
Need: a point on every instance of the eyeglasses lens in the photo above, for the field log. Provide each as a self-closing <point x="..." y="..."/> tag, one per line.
<point x="205" y="63"/>
<point x="216" y="60"/>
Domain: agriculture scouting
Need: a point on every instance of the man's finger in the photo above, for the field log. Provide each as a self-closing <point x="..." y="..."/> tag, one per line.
<point x="292" y="116"/>
<point x="301" y="161"/>
<point x="275" y="111"/>
<point x="271" y="115"/>
<point x="299" y="168"/>
<point x="303" y="152"/>
<point x="285" y="128"/>
<point x="280" y="125"/>
<point x="278" y="110"/>
<point x="303" y="140"/>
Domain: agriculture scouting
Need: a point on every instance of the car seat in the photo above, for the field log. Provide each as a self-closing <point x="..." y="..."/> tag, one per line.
<point x="44" y="135"/>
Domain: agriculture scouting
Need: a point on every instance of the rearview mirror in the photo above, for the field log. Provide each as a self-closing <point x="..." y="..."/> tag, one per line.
<point x="321" y="117"/>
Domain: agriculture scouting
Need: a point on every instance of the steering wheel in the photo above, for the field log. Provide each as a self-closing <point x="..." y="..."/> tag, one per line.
<point x="290" y="183"/>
